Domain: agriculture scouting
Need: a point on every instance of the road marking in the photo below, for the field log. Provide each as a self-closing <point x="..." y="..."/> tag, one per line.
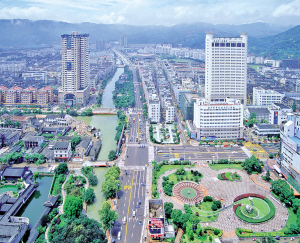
<point x="128" y="208"/>
<point x="125" y="187"/>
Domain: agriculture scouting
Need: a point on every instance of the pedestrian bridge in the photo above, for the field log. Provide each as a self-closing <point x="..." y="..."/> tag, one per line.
<point x="105" y="111"/>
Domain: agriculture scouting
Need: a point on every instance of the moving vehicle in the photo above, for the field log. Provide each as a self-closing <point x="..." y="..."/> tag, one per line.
<point x="124" y="220"/>
<point x="140" y="201"/>
<point x="133" y="213"/>
<point x="119" y="235"/>
<point x="166" y="155"/>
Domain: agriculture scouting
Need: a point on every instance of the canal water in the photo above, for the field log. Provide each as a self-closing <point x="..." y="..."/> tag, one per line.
<point x="107" y="124"/>
<point x="34" y="206"/>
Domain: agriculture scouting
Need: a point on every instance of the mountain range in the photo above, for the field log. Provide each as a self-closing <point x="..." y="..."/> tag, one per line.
<point x="264" y="39"/>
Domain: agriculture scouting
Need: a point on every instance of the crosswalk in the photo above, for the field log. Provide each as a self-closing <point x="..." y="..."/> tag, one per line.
<point x="150" y="153"/>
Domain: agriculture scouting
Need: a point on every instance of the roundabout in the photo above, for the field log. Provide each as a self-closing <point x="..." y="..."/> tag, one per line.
<point x="188" y="192"/>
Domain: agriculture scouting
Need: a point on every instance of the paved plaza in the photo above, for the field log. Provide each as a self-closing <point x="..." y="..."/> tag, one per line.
<point x="228" y="190"/>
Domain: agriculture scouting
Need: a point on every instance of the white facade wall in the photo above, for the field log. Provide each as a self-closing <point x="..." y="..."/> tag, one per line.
<point x="170" y="114"/>
<point x="266" y="97"/>
<point x="226" y="68"/>
<point x="154" y="111"/>
<point x="223" y="120"/>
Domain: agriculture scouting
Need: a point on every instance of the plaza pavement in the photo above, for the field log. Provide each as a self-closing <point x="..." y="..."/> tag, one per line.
<point x="228" y="190"/>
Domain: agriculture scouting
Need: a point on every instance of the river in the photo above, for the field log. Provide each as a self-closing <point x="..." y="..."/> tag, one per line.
<point x="34" y="206"/>
<point x="107" y="124"/>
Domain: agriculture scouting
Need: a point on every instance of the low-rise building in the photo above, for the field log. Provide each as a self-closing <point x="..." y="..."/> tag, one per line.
<point x="266" y="97"/>
<point x="33" y="141"/>
<point x="84" y="147"/>
<point x="266" y="129"/>
<point x="154" y="111"/>
<point x="62" y="151"/>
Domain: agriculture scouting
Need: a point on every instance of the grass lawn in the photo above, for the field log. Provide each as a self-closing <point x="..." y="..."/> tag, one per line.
<point x="187" y="177"/>
<point x="259" y="204"/>
<point x="170" y="167"/>
<point x="225" y="166"/>
<point x="255" y="66"/>
<point x="206" y="214"/>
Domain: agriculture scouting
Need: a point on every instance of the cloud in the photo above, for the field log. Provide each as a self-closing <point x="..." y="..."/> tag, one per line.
<point x="289" y="9"/>
<point x="32" y="13"/>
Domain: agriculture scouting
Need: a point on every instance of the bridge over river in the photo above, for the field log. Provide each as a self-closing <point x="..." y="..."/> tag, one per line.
<point x="105" y="111"/>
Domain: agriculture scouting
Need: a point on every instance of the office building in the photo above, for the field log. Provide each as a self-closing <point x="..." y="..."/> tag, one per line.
<point x="75" y="69"/>
<point x="266" y="97"/>
<point x="290" y="147"/>
<point x="218" y="120"/>
<point x="225" y="68"/>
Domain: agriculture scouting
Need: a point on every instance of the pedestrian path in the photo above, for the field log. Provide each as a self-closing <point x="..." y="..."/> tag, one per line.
<point x="247" y="152"/>
<point x="150" y="153"/>
<point x="255" y="179"/>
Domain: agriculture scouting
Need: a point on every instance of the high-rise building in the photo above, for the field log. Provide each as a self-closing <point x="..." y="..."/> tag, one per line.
<point x="123" y="41"/>
<point x="225" y="68"/>
<point x="75" y="69"/>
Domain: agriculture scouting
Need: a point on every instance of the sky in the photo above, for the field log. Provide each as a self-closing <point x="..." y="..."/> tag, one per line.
<point x="155" y="12"/>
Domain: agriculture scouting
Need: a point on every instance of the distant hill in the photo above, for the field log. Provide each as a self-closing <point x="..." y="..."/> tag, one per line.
<point x="27" y="33"/>
<point x="278" y="46"/>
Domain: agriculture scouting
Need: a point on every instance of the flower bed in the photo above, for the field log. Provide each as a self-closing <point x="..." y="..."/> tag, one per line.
<point x="228" y="176"/>
<point x="248" y="195"/>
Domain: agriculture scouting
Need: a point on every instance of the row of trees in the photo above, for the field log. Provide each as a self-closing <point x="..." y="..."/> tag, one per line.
<point x="112" y="185"/>
<point x="123" y="95"/>
<point x="121" y="122"/>
<point x="252" y="120"/>
<point x="18" y="158"/>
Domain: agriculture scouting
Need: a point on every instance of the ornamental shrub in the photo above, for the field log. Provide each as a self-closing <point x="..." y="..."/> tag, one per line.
<point x="207" y="199"/>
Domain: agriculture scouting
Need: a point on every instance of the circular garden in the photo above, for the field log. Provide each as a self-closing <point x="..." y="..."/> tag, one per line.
<point x="228" y="176"/>
<point x="253" y="208"/>
<point x="188" y="192"/>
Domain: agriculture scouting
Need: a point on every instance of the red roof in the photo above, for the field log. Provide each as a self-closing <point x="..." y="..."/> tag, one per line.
<point x="3" y="87"/>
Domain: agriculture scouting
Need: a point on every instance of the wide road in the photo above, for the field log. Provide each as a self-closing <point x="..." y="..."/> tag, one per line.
<point x="132" y="191"/>
<point x="133" y="175"/>
<point x="198" y="153"/>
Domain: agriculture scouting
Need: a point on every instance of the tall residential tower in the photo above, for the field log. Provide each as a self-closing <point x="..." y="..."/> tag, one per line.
<point x="75" y="69"/>
<point x="226" y="68"/>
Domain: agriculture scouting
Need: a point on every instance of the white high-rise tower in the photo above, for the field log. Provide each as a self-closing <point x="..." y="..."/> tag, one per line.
<point x="225" y="68"/>
<point x="75" y="69"/>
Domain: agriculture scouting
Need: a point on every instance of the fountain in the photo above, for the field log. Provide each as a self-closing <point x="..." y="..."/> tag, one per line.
<point x="249" y="207"/>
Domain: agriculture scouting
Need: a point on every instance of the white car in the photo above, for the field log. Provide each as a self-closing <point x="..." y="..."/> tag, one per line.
<point x="133" y="213"/>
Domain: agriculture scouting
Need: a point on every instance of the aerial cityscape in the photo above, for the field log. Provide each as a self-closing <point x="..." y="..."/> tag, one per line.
<point x="147" y="121"/>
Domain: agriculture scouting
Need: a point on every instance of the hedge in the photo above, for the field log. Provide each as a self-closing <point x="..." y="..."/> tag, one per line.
<point x="255" y="221"/>
<point x="213" y="229"/>
<point x="187" y="209"/>
<point x="220" y="177"/>
<point x="250" y="233"/>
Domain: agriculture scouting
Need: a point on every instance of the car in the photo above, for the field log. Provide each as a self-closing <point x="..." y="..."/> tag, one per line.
<point x="119" y="235"/>
<point x="140" y="201"/>
<point x="124" y="220"/>
<point x="181" y="159"/>
<point x="113" y="240"/>
<point x="144" y="183"/>
<point x="166" y="155"/>
<point x="133" y="213"/>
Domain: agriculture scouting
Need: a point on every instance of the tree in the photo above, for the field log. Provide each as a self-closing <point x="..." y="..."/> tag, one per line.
<point x="61" y="169"/>
<point x="73" y="113"/>
<point x="168" y="209"/>
<point x="264" y="121"/>
<point x="282" y="189"/>
<point x="89" y="196"/>
<point x="75" y="141"/>
<point x="89" y="112"/>
<point x="79" y="230"/>
<point x="73" y="206"/>
<point x="110" y="187"/>
<point x="268" y="178"/>
<point x="44" y="220"/>
<point x="35" y="175"/>
<point x="294" y="106"/>
<point x="107" y="215"/>
<point x="252" y="115"/>
<point x="252" y="165"/>
<point x="189" y="230"/>
<point x="112" y="155"/>
<point x="177" y="217"/>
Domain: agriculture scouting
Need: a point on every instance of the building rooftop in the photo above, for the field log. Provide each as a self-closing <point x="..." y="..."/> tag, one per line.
<point x="14" y="171"/>
<point x="268" y="126"/>
<point x="258" y="110"/>
<point x="282" y="106"/>
<point x="61" y="145"/>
